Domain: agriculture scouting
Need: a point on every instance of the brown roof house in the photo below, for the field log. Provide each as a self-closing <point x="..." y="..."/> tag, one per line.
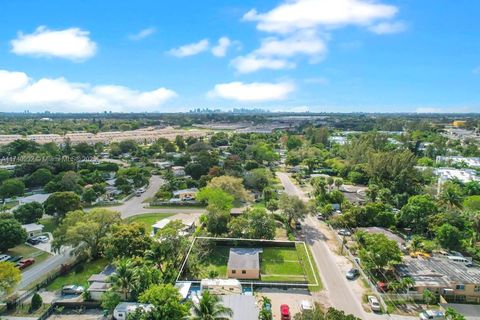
<point x="244" y="263"/>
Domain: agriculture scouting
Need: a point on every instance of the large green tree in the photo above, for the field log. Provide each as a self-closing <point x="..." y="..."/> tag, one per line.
<point x="59" y="203"/>
<point x="449" y="237"/>
<point x="293" y="208"/>
<point x="417" y="212"/>
<point x="85" y="231"/>
<point x="166" y="301"/>
<point x="11" y="234"/>
<point x="9" y="277"/>
<point x="231" y="185"/>
<point x="126" y="241"/>
<point x="29" y="212"/>
<point x="256" y="223"/>
<point x="11" y="188"/>
<point x="378" y="252"/>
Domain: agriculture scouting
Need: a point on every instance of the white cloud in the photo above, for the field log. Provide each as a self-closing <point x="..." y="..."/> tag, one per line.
<point x="253" y="92"/>
<point x="19" y="91"/>
<point x="220" y="50"/>
<point x="190" y="49"/>
<point x="274" y="52"/>
<point x="295" y="15"/>
<point x="388" y="27"/>
<point x="142" y="34"/>
<point x="73" y="44"/>
<point x="304" y="42"/>
<point x="251" y="63"/>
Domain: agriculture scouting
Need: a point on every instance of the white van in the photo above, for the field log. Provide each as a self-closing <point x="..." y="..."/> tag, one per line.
<point x="466" y="261"/>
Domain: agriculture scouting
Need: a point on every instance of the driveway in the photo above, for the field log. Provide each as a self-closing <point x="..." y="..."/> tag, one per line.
<point x="135" y="205"/>
<point x="343" y="294"/>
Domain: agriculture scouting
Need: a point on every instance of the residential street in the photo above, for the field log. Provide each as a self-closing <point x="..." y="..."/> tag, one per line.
<point x="135" y="205"/>
<point x="38" y="271"/>
<point x="343" y="294"/>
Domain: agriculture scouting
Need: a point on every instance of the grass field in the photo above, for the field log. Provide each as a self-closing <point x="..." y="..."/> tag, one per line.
<point x="28" y="252"/>
<point x="305" y="261"/>
<point x="149" y="219"/>
<point x="79" y="277"/>
<point x="276" y="264"/>
<point x="49" y="224"/>
<point x="280" y="264"/>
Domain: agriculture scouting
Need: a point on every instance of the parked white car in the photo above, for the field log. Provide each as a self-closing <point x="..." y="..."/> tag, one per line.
<point x="43" y="239"/>
<point x="306" y="305"/>
<point x="72" y="289"/>
<point x="4" y="257"/>
<point x="374" y="304"/>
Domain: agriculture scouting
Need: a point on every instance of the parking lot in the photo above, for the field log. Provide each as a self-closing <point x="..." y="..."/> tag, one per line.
<point x="292" y="297"/>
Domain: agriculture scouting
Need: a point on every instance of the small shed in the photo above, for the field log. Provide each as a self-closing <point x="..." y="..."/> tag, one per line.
<point x="244" y="263"/>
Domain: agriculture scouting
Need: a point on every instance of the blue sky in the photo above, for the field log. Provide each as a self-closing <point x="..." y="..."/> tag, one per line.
<point x="293" y="55"/>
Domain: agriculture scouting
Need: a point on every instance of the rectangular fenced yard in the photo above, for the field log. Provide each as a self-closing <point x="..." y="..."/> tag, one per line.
<point x="281" y="262"/>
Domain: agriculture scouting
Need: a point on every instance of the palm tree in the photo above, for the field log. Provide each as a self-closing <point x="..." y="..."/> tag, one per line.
<point x="124" y="277"/>
<point x="428" y="296"/>
<point x="338" y="182"/>
<point x="406" y="283"/>
<point x="210" y="308"/>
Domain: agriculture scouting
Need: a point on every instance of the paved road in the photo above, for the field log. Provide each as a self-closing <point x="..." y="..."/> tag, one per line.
<point x="131" y="207"/>
<point x="136" y="206"/>
<point x="339" y="289"/>
<point x="36" y="272"/>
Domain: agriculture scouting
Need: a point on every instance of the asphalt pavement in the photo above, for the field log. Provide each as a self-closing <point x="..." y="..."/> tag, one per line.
<point x="136" y="206"/>
<point x="339" y="290"/>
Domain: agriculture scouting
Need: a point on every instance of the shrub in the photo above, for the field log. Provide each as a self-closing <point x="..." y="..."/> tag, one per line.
<point x="36" y="302"/>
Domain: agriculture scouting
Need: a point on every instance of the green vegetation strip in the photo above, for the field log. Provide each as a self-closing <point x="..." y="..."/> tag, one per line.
<point x="148" y="219"/>
<point x="28" y="252"/>
<point x="302" y="251"/>
<point x="79" y="275"/>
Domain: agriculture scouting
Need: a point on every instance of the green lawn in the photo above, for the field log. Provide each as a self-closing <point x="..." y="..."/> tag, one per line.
<point x="28" y="252"/>
<point x="217" y="261"/>
<point x="280" y="264"/>
<point x="149" y="219"/>
<point x="276" y="264"/>
<point x="50" y="224"/>
<point x="79" y="277"/>
<point x="311" y="274"/>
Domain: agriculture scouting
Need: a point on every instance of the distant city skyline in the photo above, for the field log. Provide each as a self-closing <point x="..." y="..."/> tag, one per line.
<point x="278" y="55"/>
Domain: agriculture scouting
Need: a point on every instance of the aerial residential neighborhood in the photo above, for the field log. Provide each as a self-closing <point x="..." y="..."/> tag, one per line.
<point x="239" y="160"/>
<point x="269" y="226"/>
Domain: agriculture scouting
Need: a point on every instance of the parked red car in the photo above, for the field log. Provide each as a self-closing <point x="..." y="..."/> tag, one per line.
<point x="285" y="312"/>
<point x="25" y="263"/>
<point x="382" y="286"/>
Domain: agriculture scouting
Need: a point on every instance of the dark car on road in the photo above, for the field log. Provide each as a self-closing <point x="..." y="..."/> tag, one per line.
<point x="352" y="274"/>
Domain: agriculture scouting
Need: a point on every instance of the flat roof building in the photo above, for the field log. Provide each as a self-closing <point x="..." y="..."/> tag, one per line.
<point x="443" y="276"/>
